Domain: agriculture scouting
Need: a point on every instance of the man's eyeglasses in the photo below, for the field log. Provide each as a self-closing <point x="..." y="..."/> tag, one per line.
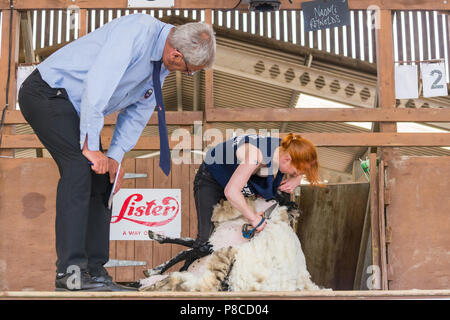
<point x="187" y="71"/>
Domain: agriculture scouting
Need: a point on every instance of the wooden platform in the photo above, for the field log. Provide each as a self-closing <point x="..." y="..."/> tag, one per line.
<point x="297" y="295"/>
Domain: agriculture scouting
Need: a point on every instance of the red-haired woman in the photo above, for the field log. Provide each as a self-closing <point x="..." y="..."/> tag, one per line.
<point x="250" y="165"/>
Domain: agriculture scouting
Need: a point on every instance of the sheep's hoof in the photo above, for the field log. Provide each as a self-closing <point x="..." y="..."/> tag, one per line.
<point x="151" y="272"/>
<point x="154" y="236"/>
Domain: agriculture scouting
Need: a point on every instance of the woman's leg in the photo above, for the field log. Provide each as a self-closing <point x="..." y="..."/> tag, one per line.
<point x="207" y="193"/>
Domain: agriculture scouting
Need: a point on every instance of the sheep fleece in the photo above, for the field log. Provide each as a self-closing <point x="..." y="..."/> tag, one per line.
<point x="272" y="261"/>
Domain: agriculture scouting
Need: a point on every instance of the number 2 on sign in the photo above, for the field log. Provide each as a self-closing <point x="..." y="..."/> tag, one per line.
<point x="435" y="84"/>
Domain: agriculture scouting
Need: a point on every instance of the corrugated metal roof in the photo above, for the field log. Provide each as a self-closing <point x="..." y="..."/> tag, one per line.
<point x="236" y="91"/>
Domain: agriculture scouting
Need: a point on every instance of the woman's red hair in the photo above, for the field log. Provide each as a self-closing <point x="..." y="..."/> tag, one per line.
<point x="303" y="155"/>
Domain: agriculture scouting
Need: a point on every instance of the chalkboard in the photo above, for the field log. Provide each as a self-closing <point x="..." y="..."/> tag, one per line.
<point x="323" y="14"/>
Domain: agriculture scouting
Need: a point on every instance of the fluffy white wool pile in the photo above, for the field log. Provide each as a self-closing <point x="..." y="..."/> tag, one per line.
<point x="272" y="261"/>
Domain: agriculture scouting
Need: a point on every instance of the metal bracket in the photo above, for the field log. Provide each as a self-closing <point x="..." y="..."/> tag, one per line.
<point x="124" y="263"/>
<point x="134" y="175"/>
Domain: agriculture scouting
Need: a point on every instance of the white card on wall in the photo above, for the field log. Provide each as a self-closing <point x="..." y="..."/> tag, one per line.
<point x="151" y="3"/>
<point x="406" y="82"/>
<point x="434" y="79"/>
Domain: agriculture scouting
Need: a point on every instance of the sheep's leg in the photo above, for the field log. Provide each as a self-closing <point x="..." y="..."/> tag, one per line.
<point x="187" y="242"/>
<point x="213" y="280"/>
<point x="200" y="252"/>
<point x="166" y="265"/>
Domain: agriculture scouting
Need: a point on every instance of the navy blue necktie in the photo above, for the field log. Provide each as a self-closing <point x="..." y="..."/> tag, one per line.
<point x="164" y="157"/>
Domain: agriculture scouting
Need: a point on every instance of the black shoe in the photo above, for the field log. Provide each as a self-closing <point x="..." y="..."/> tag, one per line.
<point x="77" y="282"/>
<point x="109" y="285"/>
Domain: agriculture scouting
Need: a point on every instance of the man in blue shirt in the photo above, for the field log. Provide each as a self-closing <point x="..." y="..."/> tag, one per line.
<point x="65" y="101"/>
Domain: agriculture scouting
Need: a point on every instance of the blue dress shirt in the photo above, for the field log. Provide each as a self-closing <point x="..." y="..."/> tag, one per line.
<point x="110" y="70"/>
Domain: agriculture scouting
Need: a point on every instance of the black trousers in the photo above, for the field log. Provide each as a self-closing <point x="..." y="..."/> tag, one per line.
<point x="82" y="215"/>
<point x="207" y="193"/>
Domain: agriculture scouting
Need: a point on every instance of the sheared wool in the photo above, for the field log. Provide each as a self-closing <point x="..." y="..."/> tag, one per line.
<point x="272" y="261"/>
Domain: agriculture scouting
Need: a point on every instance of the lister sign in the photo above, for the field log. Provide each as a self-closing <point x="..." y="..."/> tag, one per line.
<point x="135" y="211"/>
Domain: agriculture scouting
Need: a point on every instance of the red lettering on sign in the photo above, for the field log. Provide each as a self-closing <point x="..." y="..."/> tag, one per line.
<point x="169" y="208"/>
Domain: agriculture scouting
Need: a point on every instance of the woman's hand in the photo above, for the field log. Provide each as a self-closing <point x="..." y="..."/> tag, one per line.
<point x="289" y="185"/>
<point x="256" y="220"/>
<point x="112" y="167"/>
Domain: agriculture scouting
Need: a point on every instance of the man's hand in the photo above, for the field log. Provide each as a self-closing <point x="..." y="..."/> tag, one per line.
<point x="97" y="158"/>
<point x="113" y="165"/>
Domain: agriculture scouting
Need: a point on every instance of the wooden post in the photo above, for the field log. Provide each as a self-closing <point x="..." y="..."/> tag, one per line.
<point x="209" y="84"/>
<point x="382" y="226"/>
<point x="27" y="37"/>
<point x="386" y="99"/>
<point x="4" y="64"/>
<point x="374" y="218"/>
<point x="385" y="73"/>
<point x="83" y="23"/>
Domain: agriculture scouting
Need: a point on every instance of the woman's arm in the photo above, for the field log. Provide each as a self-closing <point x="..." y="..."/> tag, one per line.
<point x="233" y="191"/>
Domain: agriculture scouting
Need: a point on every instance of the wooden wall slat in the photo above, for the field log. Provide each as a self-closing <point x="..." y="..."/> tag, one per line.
<point x="441" y="36"/>
<point x="407" y="36"/>
<point x="415" y="22"/>
<point x="350" y="34"/>
<point x="432" y="35"/>
<point x="161" y="252"/>
<point x="426" y="54"/>
<point x="399" y="36"/>
<point x="144" y="248"/>
<point x="193" y="213"/>
<point x="125" y="249"/>
<point x="357" y="36"/>
<point x="177" y="183"/>
<point x="298" y="27"/>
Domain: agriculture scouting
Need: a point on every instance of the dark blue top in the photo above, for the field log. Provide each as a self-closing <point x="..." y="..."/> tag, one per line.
<point x="221" y="162"/>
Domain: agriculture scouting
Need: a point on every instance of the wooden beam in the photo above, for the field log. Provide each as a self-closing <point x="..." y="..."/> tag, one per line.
<point x="240" y="295"/>
<point x="64" y="4"/>
<point x="327" y="115"/>
<point x="27" y="141"/>
<point x="296" y="4"/>
<point x="224" y="4"/>
<point x="172" y="118"/>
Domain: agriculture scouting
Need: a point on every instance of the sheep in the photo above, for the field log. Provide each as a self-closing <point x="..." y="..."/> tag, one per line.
<point x="271" y="261"/>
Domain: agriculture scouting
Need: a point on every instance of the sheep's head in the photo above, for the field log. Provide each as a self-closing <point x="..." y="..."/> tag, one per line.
<point x="286" y="212"/>
<point x="292" y="209"/>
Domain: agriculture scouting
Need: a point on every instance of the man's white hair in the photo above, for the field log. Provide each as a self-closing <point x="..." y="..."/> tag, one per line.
<point x="197" y="42"/>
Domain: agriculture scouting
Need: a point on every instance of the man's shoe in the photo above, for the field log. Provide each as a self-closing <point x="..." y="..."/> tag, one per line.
<point x="109" y="285"/>
<point x="80" y="281"/>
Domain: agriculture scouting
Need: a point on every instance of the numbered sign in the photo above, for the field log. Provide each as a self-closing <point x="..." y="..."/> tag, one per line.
<point x="323" y="14"/>
<point x="434" y="79"/>
<point x="406" y="82"/>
